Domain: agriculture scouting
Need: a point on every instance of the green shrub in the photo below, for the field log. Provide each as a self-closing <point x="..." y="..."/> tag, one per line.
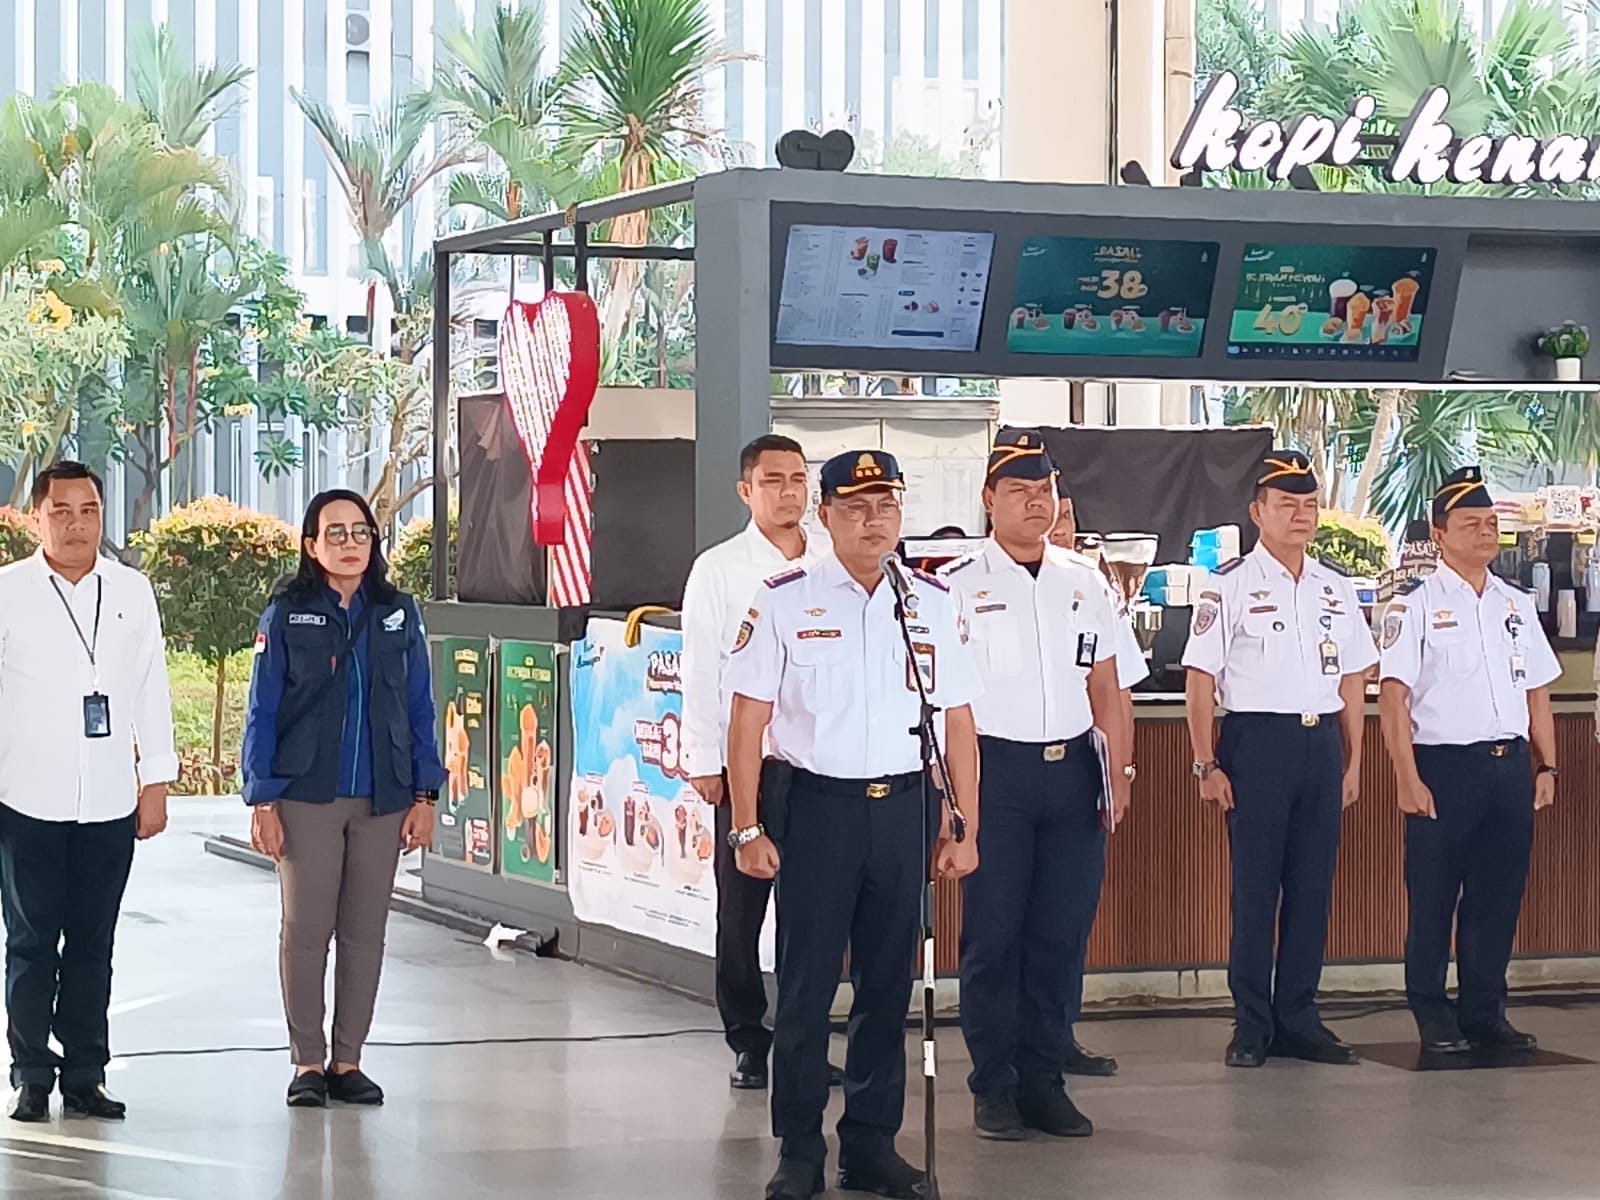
<point x="1357" y="545"/>
<point x="17" y="538"/>
<point x="411" y="560"/>
<point x="213" y="566"/>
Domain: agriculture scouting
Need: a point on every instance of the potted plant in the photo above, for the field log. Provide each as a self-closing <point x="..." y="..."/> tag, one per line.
<point x="1567" y="343"/>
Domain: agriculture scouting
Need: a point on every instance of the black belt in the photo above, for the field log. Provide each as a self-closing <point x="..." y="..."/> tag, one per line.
<point x="1304" y="720"/>
<point x="1049" y="751"/>
<point x="1504" y="748"/>
<point x="873" y="789"/>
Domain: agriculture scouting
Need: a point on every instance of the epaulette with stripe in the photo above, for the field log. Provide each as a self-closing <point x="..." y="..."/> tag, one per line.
<point x="933" y="579"/>
<point x="1410" y="585"/>
<point x="960" y="564"/>
<point x="1231" y="565"/>
<point x="1336" y="568"/>
<point x="777" y="581"/>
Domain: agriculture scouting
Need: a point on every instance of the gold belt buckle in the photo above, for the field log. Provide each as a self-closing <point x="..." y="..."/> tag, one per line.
<point x="1498" y="750"/>
<point x="1310" y="720"/>
<point x="1055" y="752"/>
<point x="877" y="791"/>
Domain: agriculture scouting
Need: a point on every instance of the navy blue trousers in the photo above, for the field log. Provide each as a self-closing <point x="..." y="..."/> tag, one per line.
<point x="1284" y="835"/>
<point x="851" y="876"/>
<point x="1467" y="868"/>
<point x="1027" y="911"/>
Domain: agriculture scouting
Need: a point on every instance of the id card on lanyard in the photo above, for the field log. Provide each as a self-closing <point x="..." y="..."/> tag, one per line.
<point x="96" y="705"/>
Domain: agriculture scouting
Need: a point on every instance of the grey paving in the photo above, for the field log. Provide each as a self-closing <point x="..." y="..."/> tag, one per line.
<point x="581" y="1120"/>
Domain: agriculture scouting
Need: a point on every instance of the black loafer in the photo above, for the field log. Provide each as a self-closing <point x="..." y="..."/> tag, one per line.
<point x="1320" y="1047"/>
<point x="881" y="1172"/>
<point x="1081" y="1062"/>
<point x="1052" y="1111"/>
<point x="995" y="1117"/>
<point x="30" y="1103"/>
<point x="749" y="1073"/>
<point x="353" y="1087"/>
<point x="96" y="1102"/>
<point x="1500" y="1036"/>
<point x="309" y="1090"/>
<point x="795" y="1180"/>
<point x="1245" y="1051"/>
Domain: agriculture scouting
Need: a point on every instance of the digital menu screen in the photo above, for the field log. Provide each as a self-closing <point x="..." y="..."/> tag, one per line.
<point x="1331" y="303"/>
<point x="866" y="287"/>
<point x="1099" y="296"/>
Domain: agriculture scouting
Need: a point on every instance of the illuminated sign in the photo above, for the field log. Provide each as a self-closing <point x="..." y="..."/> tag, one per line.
<point x="1427" y="149"/>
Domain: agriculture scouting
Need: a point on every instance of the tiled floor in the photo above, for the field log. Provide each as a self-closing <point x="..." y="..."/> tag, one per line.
<point x="576" y="1119"/>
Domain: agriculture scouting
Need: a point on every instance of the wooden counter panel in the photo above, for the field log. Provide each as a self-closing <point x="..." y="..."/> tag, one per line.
<point x="1165" y="902"/>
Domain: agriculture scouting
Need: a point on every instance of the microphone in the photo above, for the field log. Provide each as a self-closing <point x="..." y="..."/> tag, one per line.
<point x="895" y="572"/>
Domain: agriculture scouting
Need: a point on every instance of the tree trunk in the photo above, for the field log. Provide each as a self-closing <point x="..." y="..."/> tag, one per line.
<point x="629" y="229"/>
<point x="372" y="314"/>
<point x="1388" y="410"/>
<point x="171" y="408"/>
<point x="216" y="724"/>
<point x="191" y="473"/>
<point x="19" y="488"/>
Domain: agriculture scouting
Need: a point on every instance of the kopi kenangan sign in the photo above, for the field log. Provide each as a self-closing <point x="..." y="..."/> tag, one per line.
<point x="1427" y="148"/>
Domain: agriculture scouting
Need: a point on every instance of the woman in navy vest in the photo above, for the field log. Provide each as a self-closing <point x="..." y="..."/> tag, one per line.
<point x="341" y="772"/>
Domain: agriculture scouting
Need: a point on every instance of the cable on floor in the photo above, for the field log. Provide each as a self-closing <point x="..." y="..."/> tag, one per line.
<point x="530" y="1040"/>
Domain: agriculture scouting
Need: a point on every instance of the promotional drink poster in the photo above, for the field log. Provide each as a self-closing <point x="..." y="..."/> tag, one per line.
<point x="463" y="832"/>
<point x="527" y="761"/>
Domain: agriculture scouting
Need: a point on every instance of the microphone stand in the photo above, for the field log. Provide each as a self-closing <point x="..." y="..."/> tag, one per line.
<point x="932" y="757"/>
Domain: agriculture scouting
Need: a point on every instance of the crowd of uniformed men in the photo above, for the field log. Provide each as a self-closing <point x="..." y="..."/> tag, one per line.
<point x="801" y="703"/>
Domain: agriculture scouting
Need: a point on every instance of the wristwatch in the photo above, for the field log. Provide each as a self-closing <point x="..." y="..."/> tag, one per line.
<point x="743" y="837"/>
<point x="1550" y="771"/>
<point x="427" y="796"/>
<point x="1202" y="770"/>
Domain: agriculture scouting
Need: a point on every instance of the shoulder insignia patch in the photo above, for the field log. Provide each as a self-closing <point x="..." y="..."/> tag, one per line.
<point x="933" y="579"/>
<point x="1231" y="565"/>
<point x="778" y="581"/>
<point x="1409" y="586"/>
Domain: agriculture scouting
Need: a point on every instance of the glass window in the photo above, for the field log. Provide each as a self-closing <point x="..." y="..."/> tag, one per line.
<point x="358" y="77"/>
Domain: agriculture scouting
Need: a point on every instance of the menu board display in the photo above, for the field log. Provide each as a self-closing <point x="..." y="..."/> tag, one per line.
<point x="1350" y="303"/>
<point x="1098" y="296"/>
<point x="865" y="287"/>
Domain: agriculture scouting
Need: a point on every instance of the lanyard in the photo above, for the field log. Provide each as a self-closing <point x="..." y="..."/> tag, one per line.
<point x="88" y="645"/>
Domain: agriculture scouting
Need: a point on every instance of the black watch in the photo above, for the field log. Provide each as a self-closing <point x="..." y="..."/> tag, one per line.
<point x="1550" y="771"/>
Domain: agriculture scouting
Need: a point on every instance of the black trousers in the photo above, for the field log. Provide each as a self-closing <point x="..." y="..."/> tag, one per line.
<point x="61" y="884"/>
<point x="1027" y="911"/>
<point x="741" y="911"/>
<point x="1468" y="868"/>
<point x="851" y="875"/>
<point x="1284" y="835"/>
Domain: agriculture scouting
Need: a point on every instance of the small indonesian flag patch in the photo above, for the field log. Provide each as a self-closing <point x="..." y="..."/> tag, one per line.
<point x="261" y="643"/>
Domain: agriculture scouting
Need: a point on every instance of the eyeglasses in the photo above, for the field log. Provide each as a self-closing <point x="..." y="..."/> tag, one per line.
<point x="338" y="535"/>
<point x="861" y="511"/>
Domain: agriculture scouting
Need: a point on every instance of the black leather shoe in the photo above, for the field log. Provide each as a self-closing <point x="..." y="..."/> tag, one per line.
<point x="30" y="1102"/>
<point x="308" y="1090"/>
<point x="1081" y="1062"/>
<point x="996" y="1119"/>
<point x="1500" y="1036"/>
<point x="835" y="1076"/>
<point x="795" y="1180"/>
<point x="882" y="1172"/>
<point x="93" y="1102"/>
<point x="1445" y="1044"/>
<point x="353" y="1087"/>
<point x="1320" y="1047"/>
<point x="1052" y="1111"/>
<point x="1246" y="1051"/>
<point x="749" y="1073"/>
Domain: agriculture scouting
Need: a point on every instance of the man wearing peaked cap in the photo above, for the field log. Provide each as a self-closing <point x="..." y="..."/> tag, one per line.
<point x="1046" y="641"/>
<point x="822" y="662"/>
<point x="1281" y="639"/>
<point x="1466" y="675"/>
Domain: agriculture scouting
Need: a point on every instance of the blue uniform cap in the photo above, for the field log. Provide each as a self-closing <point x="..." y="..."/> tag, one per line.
<point x="1287" y="471"/>
<point x="859" y="471"/>
<point x="1019" y="454"/>
<point x="1463" y="488"/>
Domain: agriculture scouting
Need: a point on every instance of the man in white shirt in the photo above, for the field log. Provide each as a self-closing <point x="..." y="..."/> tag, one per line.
<point x="1044" y="636"/>
<point x="1466" y="677"/>
<point x="720" y="591"/>
<point x="1282" y="639"/>
<point x="86" y="754"/>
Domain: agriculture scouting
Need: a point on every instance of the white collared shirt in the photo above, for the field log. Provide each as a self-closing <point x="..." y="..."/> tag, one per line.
<point x="1469" y="660"/>
<point x="832" y="661"/>
<point x="48" y="769"/>
<point x="1277" y="645"/>
<point x="1034" y="641"/>
<point x="721" y="589"/>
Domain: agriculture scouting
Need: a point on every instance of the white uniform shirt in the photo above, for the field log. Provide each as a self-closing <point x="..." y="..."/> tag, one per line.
<point x="832" y="661"/>
<point x="722" y="584"/>
<point x="1132" y="666"/>
<point x="1034" y="641"/>
<point x="48" y="769"/>
<point x="1469" y="660"/>
<point x="1275" y="645"/>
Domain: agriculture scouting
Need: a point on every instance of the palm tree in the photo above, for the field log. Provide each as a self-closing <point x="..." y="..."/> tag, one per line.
<point x="380" y="169"/>
<point x="631" y="85"/>
<point x="183" y="100"/>
<point x="1233" y="35"/>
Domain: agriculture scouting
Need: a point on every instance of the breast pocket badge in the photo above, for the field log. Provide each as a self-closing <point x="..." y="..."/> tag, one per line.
<point x="1087" y="644"/>
<point x="921" y="663"/>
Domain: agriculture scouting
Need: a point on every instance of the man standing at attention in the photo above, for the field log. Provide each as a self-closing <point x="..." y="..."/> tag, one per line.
<point x="85" y="758"/>
<point x="721" y="587"/>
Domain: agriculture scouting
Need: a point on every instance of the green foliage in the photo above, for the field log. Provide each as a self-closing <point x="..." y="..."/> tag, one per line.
<point x="1567" y="340"/>
<point x="1233" y="35"/>
<point x="411" y="560"/>
<point x="17" y="537"/>
<point x="193" y="683"/>
<point x="1355" y="545"/>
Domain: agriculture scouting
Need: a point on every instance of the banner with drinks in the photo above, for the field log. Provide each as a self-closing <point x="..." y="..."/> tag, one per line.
<point x="527" y="766"/>
<point x="462" y="830"/>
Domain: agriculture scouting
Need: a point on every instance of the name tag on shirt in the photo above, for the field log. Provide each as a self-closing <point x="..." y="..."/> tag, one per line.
<point x="307" y="619"/>
<point x="922" y="662"/>
<point x="97" y="716"/>
<point x="1087" y="644"/>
